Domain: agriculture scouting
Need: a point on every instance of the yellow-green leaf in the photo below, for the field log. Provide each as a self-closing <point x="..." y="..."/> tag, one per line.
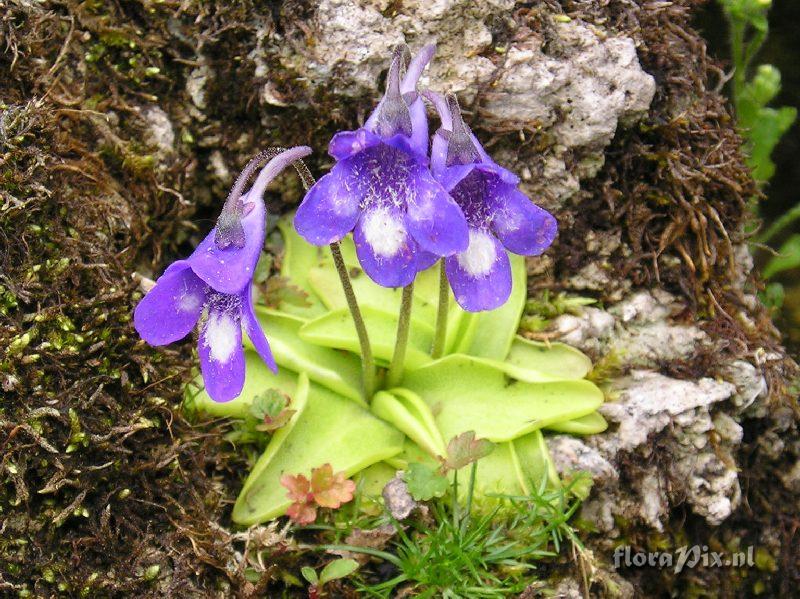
<point x="331" y="430"/>
<point x="337" y="371"/>
<point x="513" y="468"/>
<point x="406" y="411"/>
<point x="258" y="378"/>
<point x="591" y="424"/>
<point x="470" y="394"/>
<point x="336" y="330"/>
<point x="536" y="362"/>
<point x="299" y="257"/>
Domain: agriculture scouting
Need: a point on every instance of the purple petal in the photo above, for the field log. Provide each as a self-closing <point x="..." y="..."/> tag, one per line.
<point x="490" y="166"/>
<point x="401" y="102"/>
<point x="229" y="270"/>
<point x="255" y="332"/>
<point x="275" y="167"/>
<point x="171" y="308"/>
<point x="438" y="155"/>
<point x="440" y="138"/>
<point x="392" y="116"/>
<point x="408" y="87"/>
<point x="331" y="207"/>
<point x="521" y="225"/>
<point x="229" y="266"/>
<point x="481" y="276"/>
<point x="408" y="152"/>
<point x="221" y="353"/>
<point x="349" y="143"/>
<point x="379" y="175"/>
<point x="434" y="219"/>
<point x="385" y="249"/>
<point x="425" y="260"/>
<point x="450" y="176"/>
<point x="453" y="175"/>
<point x="419" y="127"/>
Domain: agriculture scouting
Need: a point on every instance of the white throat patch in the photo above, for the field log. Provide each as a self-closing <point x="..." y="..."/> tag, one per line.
<point x="221" y="336"/>
<point x="384" y="231"/>
<point x="190" y="302"/>
<point x="479" y="258"/>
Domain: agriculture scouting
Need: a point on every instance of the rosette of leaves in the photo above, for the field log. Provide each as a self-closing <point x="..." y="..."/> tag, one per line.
<point x="503" y="387"/>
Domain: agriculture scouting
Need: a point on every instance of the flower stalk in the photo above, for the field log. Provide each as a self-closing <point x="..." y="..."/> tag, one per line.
<point x="367" y="360"/>
<point x="441" y="314"/>
<point x="403" y="326"/>
<point x="471" y="490"/>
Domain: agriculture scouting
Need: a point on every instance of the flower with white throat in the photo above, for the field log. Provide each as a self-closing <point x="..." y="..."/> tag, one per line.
<point x="499" y="216"/>
<point x="381" y="187"/>
<point x="214" y="286"/>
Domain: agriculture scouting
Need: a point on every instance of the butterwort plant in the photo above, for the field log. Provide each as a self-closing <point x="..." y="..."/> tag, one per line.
<point x="392" y="206"/>
<point x="214" y="286"/>
<point x="382" y="189"/>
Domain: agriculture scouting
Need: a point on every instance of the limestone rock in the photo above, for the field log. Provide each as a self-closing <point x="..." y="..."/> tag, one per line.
<point x="352" y="42"/>
<point x="582" y="89"/>
<point x="160" y="132"/>
<point x="648" y="402"/>
<point x="571" y="454"/>
<point x="573" y="84"/>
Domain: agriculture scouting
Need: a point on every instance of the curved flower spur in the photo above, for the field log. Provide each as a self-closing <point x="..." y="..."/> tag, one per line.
<point x="214" y="285"/>
<point x="381" y="188"/>
<point x="441" y="382"/>
<point x="499" y="216"/>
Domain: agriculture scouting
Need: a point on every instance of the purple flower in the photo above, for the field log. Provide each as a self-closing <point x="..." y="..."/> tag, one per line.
<point x="382" y="190"/>
<point x="499" y="216"/>
<point x="214" y="286"/>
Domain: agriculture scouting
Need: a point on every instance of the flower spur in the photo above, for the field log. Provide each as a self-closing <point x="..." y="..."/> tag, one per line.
<point x="214" y="285"/>
<point x="499" y="216"/>
<point x="382" y="189"/>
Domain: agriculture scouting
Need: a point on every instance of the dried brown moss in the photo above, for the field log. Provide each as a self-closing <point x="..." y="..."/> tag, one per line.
<point x="104" y="489"/>
<point x="101" y="480"/>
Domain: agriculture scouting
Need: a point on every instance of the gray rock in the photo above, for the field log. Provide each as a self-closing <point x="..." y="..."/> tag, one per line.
<point x="727" y="428"/>
<point x="196" y="85"/>
<point x="568" y="588"/>
<point x="576" y="89"/>
<point x="637" y="330"/>
<point x="397" y="499"/>
<point x="582" y="91"/>
<point x="368" y="31"/>
<point x="643" y="307"/>
<point x="653" y="499"/>
<point x="589" y="330"/>
<point x="750" y="383"/>
<point x="712" y="486"/>
<point x="791" y="479"/>
<point x="160" y="132"/>
<point x="219" y="168"/>
<point x="658" y="342"/>
<point x="649" y="401"/>
<point x="571" y="454"/>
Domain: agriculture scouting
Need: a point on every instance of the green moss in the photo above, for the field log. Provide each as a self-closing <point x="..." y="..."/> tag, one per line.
<point x="8" y="301"/>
